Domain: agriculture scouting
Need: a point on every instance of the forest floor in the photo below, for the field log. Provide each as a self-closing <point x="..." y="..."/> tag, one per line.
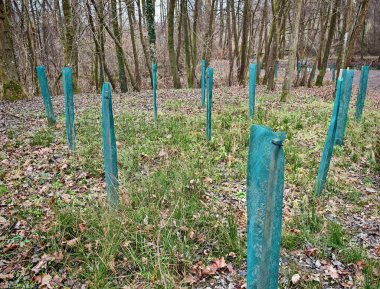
<point x="182" y="221"/>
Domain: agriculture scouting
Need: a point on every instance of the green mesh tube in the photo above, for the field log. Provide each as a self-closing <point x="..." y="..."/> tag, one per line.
<point x="210" y="79"/>
<point x="362" y="92"/>
<point x="252" y="89"/>
<point x="333" y="72"/>
<point x="329" y="144"/>
<point x="344" y="106"/>
<point x="265" y="186"/>
<point x="109" y="147"/>
<point x="67" y="78"/>
<point x="42" y="79"/>
<point x="154" y="92"/>
<point x="203" y="72"/>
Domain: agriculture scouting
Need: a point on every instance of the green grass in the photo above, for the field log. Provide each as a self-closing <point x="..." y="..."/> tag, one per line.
<point x="42" y="138"/>
<point x="3" y="189"/>
<point x="335" y="235"/>
<point x="165" y="220"/>
<point x="165" y="223"/>
<point x="371" y="274"/>
<point x="352" y="255"/>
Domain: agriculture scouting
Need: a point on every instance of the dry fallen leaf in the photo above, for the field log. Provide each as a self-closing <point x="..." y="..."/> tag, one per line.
<point x="112" y="264"/>
<point x="347" y="284"/>
<point x="162" y="153"/>
<point x="46" y="278"/>
<point x="6" y="276"/>
<point x="296" y="278"/>
<point x="3" y="220"/>
<point x="377" y="250"/>
<point x="11" y="247"/>
<point x="82" y="227"/>
<point x="66" y="198"/>
<point x="190" y="279"/>
<point x="332" y="272"/>
<point x="73" y="242"/>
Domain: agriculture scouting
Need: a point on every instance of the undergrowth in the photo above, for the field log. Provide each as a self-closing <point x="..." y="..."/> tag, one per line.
<point x="165" y="224"/>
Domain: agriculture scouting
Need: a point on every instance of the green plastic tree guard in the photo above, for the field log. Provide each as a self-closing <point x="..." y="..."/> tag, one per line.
<point x="41" y="74"/>
<point x="333" y="72"/>
<point x="67" y="77"/>
<point x="203" y="72"/>
<point x="343" y="77"/>
<point x="109" y="147"/>
<point x="206" y="84"/>
<point x="261" y="68"/>
<point x="298" y="68"/>
<point x="252" y="89"/>
<point x="329" y="144"/>
<point x="265" y="187"/>
<point x="362" y="92"/>
<point x="312" y="74"/>
<point x="344" y="106"/>
<point x="210" y="79"/>
<point x="276" y="70"/>
<point x="154" y="84"/>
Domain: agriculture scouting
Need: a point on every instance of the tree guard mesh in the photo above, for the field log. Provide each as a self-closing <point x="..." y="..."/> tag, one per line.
<point x="329" y="144"/>
<point x="265" y="186"/>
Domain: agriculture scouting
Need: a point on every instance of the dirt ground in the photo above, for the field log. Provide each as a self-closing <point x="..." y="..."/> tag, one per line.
<point x="28" y="115"/>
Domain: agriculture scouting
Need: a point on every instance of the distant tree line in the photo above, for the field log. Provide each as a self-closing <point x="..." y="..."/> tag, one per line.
<point x="118" y="40"/>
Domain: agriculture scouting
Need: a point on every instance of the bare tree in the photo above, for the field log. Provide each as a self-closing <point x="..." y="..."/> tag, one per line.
<point x="289" y="73"/>
<point x="11" y="87"/>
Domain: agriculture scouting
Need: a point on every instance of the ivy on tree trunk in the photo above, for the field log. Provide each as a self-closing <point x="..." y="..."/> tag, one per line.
<point x="151" y="30"/>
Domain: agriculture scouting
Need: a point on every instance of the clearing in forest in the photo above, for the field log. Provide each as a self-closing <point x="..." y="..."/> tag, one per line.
<point x="182" y="221"/>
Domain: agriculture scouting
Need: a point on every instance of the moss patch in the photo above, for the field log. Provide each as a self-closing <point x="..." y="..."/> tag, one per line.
<point x="13" y="90"/>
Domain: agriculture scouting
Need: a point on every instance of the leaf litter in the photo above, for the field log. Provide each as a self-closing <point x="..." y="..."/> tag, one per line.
<point x="35" y="178"/>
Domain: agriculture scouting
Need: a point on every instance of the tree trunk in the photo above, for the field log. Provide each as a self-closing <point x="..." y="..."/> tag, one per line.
<point x="274" y="47"/>
<point x="229" y="43"/>
<point x="207" y="48"/>
<point x="131" y="18"/>
<point x="324" y="18"/>
<point x="235" y="33"/>
<point x="30" y="38"/>
<point x="342" y="32"/>
<point x="221" y="23"/>
<point x="98" y="57"/>
<point x="10" y="85"/>
<point x="119" y="51"/>
<point x="171" y="50"/>
<point x="143" y="43"/>
<point x="282" y="35"/>
<point x="267" y="51"/>
<point x="195" y="37"/>
<point x="189" y="75"/>
<point x="326" y="54"/>
<point x="179" y="37"/>
<point x="151" y="30"/>
<point x="68" y="45"/>
<point x="260" y="43"/>
<point x="362" y="44"/>
<point x="241" y="74"/>
<point x="357" y="28"/>
<point x="289" y="73"/>
<point x="117" y="43"/>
